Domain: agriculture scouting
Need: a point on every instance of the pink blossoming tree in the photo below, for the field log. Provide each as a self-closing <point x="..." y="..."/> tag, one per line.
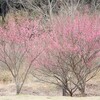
<point x="17" y="50"/>
<point x="73" y="48"/>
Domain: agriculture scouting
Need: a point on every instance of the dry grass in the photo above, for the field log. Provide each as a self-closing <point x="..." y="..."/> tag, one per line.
<point x="36" y="88"/>
<point x="5" y="76"/>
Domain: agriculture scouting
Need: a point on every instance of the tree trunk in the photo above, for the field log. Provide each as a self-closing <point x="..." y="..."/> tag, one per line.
<point x="64" y="92"/>
<point x="71" y="94"/>
<point x="83" y="92"/>
<point x="18" y="89"/>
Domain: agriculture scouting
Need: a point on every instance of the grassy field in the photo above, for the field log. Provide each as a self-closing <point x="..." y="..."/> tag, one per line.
<point x="27" y="97"/>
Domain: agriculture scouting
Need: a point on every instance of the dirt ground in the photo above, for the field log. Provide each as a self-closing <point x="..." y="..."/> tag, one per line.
<point x="27" y="97"/>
